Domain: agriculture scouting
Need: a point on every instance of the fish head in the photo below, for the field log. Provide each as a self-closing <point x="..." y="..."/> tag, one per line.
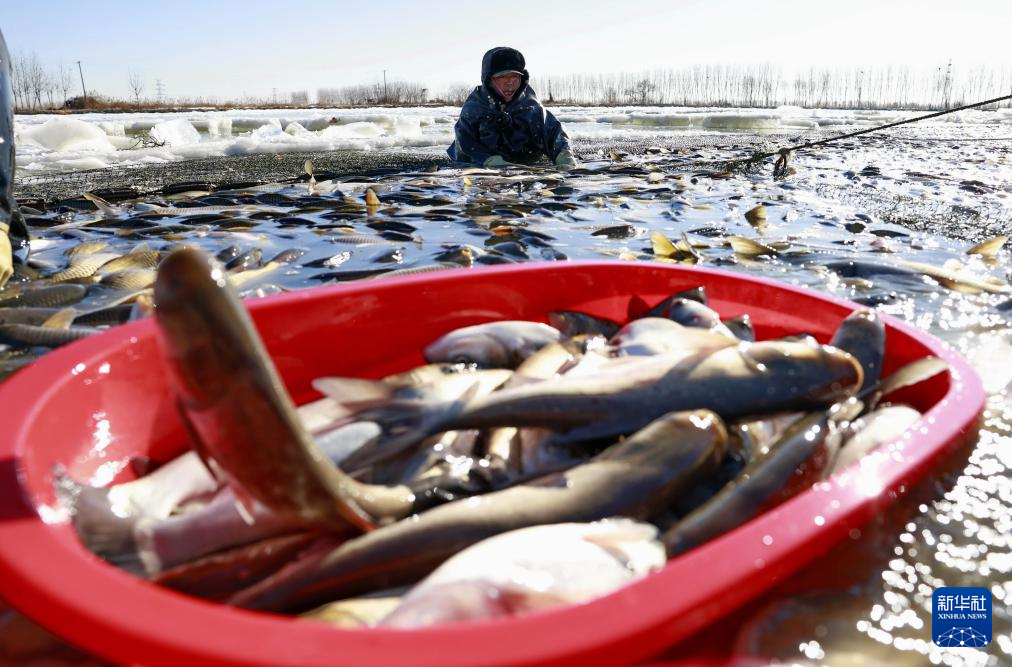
<point x="818" y="373"/>
<point x="470" y="348"/>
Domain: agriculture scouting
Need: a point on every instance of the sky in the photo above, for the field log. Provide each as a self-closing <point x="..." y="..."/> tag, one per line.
<point x="255" y="49"/>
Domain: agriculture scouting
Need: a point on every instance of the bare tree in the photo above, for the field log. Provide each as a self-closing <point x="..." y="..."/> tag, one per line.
<point x="136" y="86"/>
<point x="457" y="93"/>
<point x="300" y="97"/>
<point x="640" y="91"/>
<point x="64" y="80"/>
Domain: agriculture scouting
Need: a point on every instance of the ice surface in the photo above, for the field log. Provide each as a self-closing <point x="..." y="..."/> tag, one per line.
<point x="51" y="143"/>
<point x="175" y="133"/>
<point x="66" y="134"/>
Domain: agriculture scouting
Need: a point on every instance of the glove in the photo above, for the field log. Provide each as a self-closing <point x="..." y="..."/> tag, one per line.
<point x="565" y="160"/>
<point x="6" y="259"/>
<point x="497" y="161"/>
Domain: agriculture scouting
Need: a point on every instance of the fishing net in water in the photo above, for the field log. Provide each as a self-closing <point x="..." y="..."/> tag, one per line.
<point x="716" y="154"/>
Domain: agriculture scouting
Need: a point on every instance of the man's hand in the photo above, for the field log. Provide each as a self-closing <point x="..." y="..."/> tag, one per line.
<point x="565" y="160"/>
<point x="497" y="161"/>
<point x="6" y="259"/>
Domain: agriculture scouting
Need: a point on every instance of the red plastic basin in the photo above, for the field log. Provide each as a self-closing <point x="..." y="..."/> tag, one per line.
<point x="91" y="404"/>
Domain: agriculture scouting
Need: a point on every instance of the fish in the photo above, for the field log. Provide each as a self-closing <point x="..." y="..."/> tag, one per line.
<point x="649" y="336"/>
<point x="691" y="313"/>
<point x="619" y="398"/>
<point x="747" y="247"/>
<point x="155" y="495"/>
<point x="871" y="430"/>
<point x="84" y="266"/>
<point x="43" y="336"/>
<point x="428" y="383"/>
<point x="862" y="334"/>
<point x="959" y="280"/>
<point x="955" y="279"/>
<point x="235" y="407"/>
<point x="638" y="308"/>
<point x="741" y="327"/>
<point x="797" y="458"/>
<point x="572" y="323"/>
<point x="145" y="259"/>
<point x="360" y="612"/>
<point x="634" y="479"/>
<point x="26" y="315"/>
<point x="503" y="344"/>
<point x="311" y="185"/>
<point x="531" y="569"/>
<point x="87" y="248"/>
<point x="223" y="573"/>
<point x="505" y="445"/>
<point x="146" y="544"/>
<point x="129" y="279"/>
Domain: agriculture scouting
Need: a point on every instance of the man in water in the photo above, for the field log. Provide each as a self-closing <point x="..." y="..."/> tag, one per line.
<point x="502" y="121"/>
<point x="12" y="225"/>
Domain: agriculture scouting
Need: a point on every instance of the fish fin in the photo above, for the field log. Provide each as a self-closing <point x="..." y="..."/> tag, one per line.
<point x="101" y="204"/>
<point x="103" y="531"/>
<point x="405" y="423"/>
<point x="662" y="245"/>
<point x="750" y="361"/>
<point x="61" y="319"/>
<point x="140" y="247"/>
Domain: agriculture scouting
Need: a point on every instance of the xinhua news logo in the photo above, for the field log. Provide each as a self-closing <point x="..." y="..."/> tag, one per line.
<point x="961" y="617"/>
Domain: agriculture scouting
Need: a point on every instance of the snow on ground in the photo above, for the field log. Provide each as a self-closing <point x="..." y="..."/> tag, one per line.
<point x="57" y="143"/>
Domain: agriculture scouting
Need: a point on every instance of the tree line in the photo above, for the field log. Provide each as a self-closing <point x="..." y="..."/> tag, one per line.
<point x="36" y="87"/>
<point x="873" y="87"/>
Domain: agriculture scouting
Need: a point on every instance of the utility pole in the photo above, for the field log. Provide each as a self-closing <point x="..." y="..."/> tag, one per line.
<point x="159" y="91"/>
<point x="384" y="86"/>
<point x="275" y="95"/>
<point x="83" y="89"/>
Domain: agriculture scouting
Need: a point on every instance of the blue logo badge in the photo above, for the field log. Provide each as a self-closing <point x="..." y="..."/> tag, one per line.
<point x="961" y="616"/>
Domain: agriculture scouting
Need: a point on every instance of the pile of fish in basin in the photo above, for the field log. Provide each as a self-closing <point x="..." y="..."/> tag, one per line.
<point x="438" y="488"/>
<point x="824" y="228"/>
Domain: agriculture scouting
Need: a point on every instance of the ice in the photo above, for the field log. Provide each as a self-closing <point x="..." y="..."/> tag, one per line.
<point x="83" y="164"/>
<point x="46" y="142"/>
<point x="737" y="121"/>
<point x="174" y="133"/>
<point x="66" y="134"/>
<point x="219" y="126"/>
<point x="296" y="129"/>
<point x="113" y="128"/>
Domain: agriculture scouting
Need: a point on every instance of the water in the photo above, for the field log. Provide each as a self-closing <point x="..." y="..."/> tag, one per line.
<point x="915" y="196"/>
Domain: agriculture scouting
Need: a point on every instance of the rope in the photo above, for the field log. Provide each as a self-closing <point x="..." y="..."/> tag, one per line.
<point x="780" y="168"/>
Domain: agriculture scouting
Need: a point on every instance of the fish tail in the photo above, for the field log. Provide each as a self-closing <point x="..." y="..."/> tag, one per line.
<point x="404" y="424"/>
<point x="105" y="532"/>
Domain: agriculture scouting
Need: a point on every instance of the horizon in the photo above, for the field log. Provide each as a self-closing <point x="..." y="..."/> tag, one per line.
<point x="251" y="51"/>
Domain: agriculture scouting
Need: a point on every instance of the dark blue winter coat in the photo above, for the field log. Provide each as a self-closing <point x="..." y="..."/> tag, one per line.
<point x="519" y="131"/>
